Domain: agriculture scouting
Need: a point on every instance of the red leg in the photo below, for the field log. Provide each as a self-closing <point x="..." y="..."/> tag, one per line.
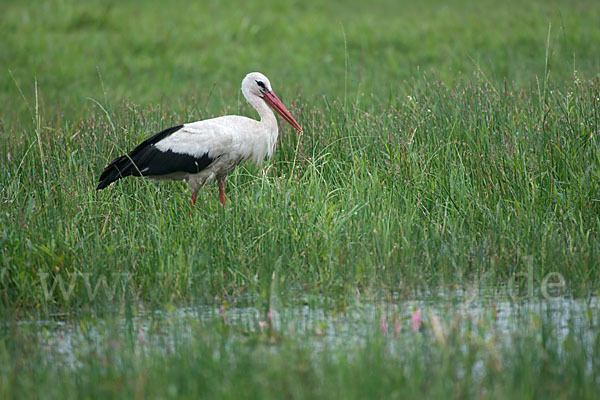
<point x="222" y="192"/>
<point x="194" y="195"/>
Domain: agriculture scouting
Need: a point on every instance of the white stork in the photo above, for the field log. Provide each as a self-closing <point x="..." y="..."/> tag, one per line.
<point x="204" y="151"/>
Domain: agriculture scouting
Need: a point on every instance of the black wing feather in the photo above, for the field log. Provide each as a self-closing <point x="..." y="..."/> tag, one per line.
<point x="147" y="160"/>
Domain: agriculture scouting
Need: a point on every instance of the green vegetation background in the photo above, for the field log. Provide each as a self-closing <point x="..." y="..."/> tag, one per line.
<point x="153" y="52"/>
<point x="447" y="145"/>
<point x="444" y="141"/>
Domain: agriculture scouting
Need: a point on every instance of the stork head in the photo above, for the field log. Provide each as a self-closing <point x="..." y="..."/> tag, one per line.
<point x="256" y="84"/>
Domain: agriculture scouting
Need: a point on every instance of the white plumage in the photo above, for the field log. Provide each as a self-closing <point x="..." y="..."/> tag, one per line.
<point x="204" y="151"/>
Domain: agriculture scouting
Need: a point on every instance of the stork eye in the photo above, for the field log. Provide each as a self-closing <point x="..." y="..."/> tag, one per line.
<point x="262" y="85"/>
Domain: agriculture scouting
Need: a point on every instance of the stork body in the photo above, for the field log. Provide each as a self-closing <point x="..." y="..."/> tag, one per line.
<point x="207" y="151"/>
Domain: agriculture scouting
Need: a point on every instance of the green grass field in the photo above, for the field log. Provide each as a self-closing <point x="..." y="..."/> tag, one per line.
<point x="446" y="147"/>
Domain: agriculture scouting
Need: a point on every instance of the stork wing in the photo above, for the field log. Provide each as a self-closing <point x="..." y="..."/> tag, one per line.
<point x="186" y="148"/>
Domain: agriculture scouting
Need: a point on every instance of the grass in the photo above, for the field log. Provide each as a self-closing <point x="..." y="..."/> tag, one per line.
<point x="449" y="185"/>
<point x="444" y="146"/>
<point x="198" y="52"/>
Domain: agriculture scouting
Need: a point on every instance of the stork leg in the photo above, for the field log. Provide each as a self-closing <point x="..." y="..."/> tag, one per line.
<point x="222" y="192"/>
<point x="194" y="195"/>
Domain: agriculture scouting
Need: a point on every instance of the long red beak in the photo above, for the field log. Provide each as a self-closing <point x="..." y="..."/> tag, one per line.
<point x="278" y="106"/>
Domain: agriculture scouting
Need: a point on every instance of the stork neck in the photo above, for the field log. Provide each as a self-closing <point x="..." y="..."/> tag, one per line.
<point x="267" y="117"/>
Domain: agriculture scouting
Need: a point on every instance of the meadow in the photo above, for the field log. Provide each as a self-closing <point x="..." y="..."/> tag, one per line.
<point x="447" y="177"/>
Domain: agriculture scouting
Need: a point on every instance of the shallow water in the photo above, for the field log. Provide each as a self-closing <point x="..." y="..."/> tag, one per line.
<point x="319" y="328"/>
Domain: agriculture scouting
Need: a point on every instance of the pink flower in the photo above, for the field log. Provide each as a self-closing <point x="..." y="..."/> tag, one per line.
<point x="262" y="324"/>
<point x="383" y="323"/>
<point x="270" y="315"/>
<point x="416" y="320"/>
<point x="397" y="326"/>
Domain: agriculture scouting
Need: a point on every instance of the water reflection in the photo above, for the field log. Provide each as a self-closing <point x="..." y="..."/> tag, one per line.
<point x="66" y="340"/>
